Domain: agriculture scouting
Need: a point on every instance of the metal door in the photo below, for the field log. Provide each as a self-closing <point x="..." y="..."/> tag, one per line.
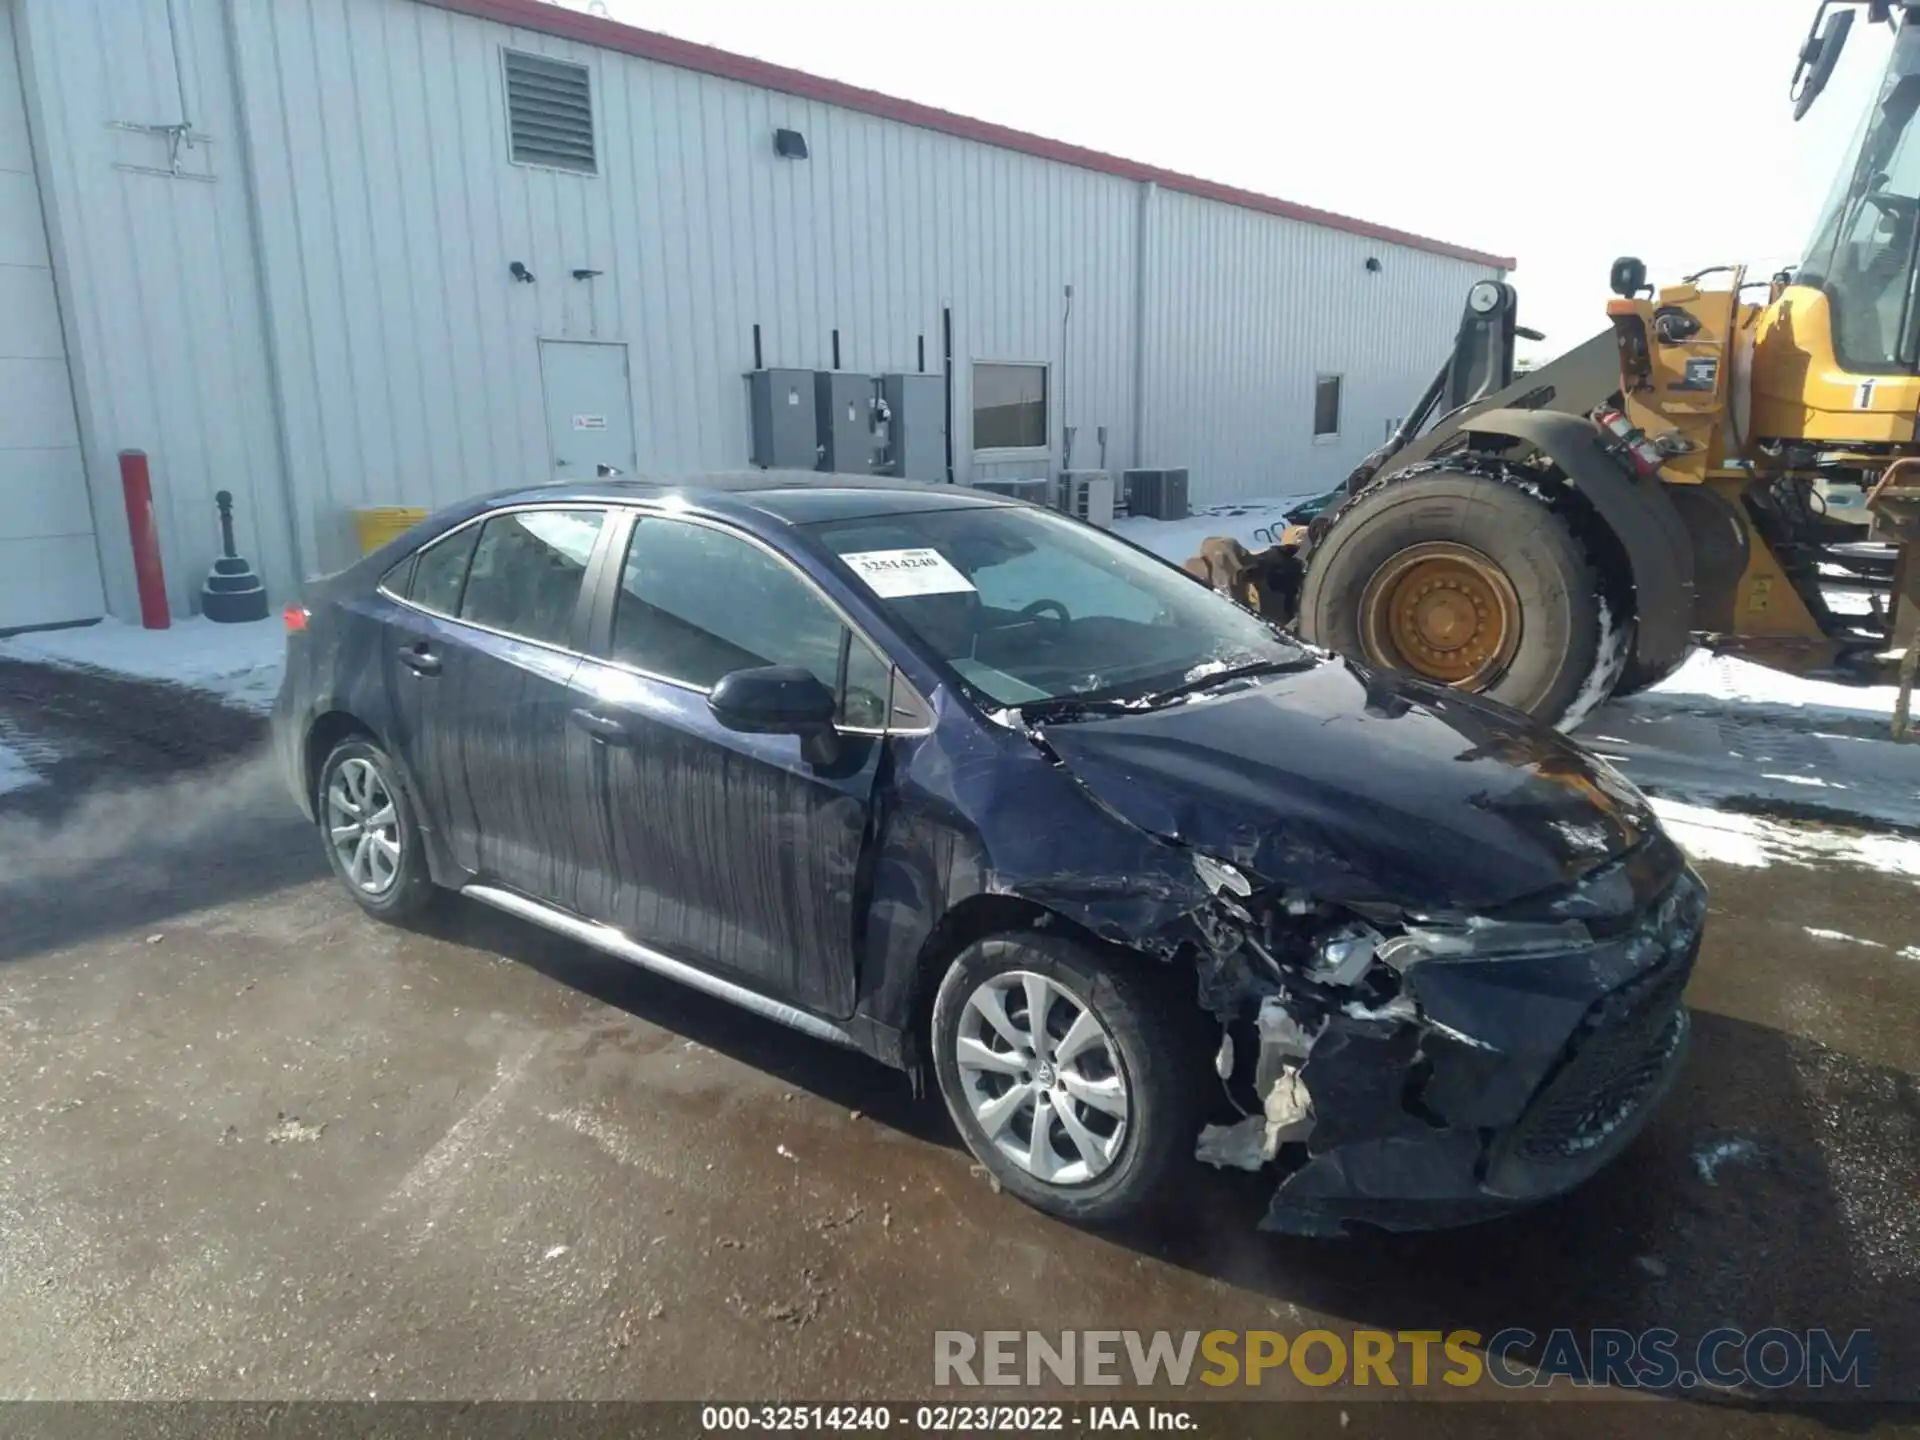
<point x="589" y="408"/>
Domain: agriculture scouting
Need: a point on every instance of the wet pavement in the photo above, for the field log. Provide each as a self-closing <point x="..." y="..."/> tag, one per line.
<point x="253" y="1144"/>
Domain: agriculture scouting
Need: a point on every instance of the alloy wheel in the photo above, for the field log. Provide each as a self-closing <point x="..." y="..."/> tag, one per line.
<point x="1042" y="1077"/>
<point x="363" y="826"/>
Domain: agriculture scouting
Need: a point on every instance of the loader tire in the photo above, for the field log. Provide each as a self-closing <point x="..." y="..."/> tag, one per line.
<point x="1637" y="677"/>
<point x="1464" y="579"/>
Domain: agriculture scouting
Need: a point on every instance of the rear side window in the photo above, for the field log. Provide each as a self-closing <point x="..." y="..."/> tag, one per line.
<point x="527" y="570"/>
<point x="440" y="570"/>
<point x="696" y="603"/>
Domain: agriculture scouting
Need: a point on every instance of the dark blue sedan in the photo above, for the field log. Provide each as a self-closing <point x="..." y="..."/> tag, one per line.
<point x="996" y="797"/>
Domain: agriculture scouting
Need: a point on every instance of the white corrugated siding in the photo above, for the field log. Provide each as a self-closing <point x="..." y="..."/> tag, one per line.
<point x="1246" y="310"/>
<point x="391" y="215"/>
<point x="49" y="563"/>
<point x="408" y="360"/>
<point x="157" y="282"/>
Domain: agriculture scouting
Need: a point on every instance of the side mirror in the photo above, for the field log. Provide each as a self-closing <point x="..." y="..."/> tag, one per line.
<point x="1818" y="56"/>
<point x="773" y="700"/>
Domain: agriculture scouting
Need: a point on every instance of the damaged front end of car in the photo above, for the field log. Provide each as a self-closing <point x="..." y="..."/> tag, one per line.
<point x="1414" y="1070"/>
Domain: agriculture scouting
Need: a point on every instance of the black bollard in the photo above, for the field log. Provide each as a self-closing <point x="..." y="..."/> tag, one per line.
<point x="232" y="591"/>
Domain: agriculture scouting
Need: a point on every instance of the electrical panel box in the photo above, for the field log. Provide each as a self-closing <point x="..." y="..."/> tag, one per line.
<point x="917" y="418"/>
<point x="853" y="437"/>
<point x="1087" y="495"/>
<point x="786" y="432"/>
<point x="1161" y="494"/>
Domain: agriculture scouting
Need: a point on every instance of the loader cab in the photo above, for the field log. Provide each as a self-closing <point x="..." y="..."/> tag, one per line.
<point x="1865" y="250"/>
<point x="1836" y="351"/>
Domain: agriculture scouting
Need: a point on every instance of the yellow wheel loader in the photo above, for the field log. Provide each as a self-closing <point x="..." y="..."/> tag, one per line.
<point x="1687" y="476"/>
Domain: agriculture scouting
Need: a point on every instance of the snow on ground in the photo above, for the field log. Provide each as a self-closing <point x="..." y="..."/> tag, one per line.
<point x="1733" y="736"/>
<point x="1841" y="936"/>
<point x="240" y="664"/>
<point x="15" y="772"/>
<point x="1733" y="838"/>
<point x="25" y="759"/>
<point x="1256" y="524"/>
<point x="1717" y="679"/>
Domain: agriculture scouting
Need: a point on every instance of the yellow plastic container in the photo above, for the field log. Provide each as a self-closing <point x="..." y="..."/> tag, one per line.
<point x="378" y="525"/>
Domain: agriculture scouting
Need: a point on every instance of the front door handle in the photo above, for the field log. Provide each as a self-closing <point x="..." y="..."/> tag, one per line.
<point x="419" y="659"/>
<point x="600" y="727"/>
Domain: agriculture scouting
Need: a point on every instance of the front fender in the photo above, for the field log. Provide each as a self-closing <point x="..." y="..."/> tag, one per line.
<point x="1638" y="512"/>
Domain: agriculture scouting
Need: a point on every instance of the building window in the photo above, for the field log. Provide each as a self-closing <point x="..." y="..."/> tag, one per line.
<point x="1326" y="407"/>
<point x="549" y="113"/>
<point x="1009" y="407"/>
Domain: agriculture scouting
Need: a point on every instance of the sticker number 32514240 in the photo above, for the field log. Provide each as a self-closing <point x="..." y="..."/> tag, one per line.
<point x="893" y="573"/>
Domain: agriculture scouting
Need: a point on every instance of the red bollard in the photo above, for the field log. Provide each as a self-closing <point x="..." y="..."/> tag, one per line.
<point x="145" y="536"/>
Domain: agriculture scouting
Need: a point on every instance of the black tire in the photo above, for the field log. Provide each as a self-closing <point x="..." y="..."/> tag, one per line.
<point x="1635" y="677"/>
<point x="409" y="890"/>
<point x="1532" y="544"/>
<point x="1151" y="1052"/>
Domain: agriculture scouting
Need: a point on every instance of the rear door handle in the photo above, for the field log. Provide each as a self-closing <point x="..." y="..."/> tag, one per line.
<point x="420" y="659"/>
<point x="600" y="727"/>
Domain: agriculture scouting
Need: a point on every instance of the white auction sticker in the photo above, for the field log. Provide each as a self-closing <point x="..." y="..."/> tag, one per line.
<point x="892" y="573"/>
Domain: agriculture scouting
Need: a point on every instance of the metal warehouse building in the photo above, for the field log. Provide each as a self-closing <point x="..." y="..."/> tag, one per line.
<point x="332" y="254"/>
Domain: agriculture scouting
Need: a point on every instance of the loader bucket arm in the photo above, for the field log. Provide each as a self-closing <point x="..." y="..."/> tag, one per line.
<point x="1573" y="383"/>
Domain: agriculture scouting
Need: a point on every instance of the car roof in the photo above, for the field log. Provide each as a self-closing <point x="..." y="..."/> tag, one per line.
<point x="798" y="497"/>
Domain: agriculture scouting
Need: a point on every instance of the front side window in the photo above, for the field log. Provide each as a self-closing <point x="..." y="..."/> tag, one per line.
<point x="1024" y="605"/>
<point x="527" y="570"/>
<point x="1009" y="407"/>
<point x="697" y="603"/>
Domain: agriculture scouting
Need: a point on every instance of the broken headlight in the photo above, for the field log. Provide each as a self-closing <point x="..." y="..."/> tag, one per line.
<point x="1482" y="939"/>
<point x="1343" y="955"/>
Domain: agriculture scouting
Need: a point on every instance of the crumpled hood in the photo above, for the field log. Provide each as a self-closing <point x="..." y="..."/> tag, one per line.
<point x="1359" y="785"/>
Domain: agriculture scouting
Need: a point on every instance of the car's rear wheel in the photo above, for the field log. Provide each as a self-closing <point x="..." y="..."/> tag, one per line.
<point x="372" y="839"/>
<point x="1067" y="1081"/>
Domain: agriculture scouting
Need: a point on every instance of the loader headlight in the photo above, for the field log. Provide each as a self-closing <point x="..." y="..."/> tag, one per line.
<point x="1483" y="298"/>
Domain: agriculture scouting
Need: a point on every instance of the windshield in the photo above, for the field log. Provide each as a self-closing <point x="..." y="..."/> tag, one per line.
<point x="1862" y="253"/>
<point x="1025" y="605"/>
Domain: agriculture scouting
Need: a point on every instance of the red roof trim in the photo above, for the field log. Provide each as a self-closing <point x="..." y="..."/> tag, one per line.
<point x="629" y="40"/>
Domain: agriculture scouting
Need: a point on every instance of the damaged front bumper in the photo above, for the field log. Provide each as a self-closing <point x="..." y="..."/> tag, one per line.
<point x="1488" y="1082"/>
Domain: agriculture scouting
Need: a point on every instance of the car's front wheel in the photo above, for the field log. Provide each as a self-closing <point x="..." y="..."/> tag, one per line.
<point x="372" y="839"/>
<point x="1067" y="1081"/>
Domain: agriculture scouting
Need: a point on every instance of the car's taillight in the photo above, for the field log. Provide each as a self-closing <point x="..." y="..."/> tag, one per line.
<point x="1643" y="454"/>
<point x="296" y="617"/>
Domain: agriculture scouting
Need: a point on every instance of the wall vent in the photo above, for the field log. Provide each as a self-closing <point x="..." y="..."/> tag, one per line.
<point x="549" y="113"/>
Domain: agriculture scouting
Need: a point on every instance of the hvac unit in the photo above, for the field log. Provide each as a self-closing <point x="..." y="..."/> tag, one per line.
<point x="1161" y="494"/>
<point x="1037" y="490"/>
<point x="1087" y="495"/>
